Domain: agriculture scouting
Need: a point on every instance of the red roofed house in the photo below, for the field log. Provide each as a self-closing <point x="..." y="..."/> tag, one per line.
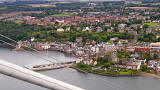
<point x="142" y="49"/>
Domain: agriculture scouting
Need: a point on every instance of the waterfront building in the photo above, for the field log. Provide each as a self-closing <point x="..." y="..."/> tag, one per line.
<point x="134" y="65"/>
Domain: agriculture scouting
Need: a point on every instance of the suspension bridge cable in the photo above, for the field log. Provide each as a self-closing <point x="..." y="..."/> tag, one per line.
<point x="27" y="47"/>
<point x="28" y="52"/>
<point x="112" y="85"/>
<point x="8" y="38"/>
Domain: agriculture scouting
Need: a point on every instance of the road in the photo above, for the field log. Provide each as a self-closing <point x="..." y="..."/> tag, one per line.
<point x="136" y="38"/>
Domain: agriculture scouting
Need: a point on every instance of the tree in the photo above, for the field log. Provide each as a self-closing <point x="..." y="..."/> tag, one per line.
<point x="115" y="29"/>
<point x="82" y="65"/>
<point x="107" y="65"/>
<point x="145" y="26"/>
<point x="144" y="68"/>
<point x="155" y="56"/>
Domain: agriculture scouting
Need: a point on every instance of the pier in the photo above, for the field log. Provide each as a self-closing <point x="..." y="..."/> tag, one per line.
<point x="44" y="67"/>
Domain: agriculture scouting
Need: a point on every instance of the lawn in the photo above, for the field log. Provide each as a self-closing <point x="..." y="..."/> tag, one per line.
<point x="18" y="22"/>
<point x="151" y="24"/>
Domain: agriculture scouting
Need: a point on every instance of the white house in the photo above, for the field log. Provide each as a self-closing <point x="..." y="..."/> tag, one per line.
<point x="154" y="64"/>
<point x="60" y="29"/>
<point x="95" y="49"/>
<point x="32" y="39"/>
<point x="121" y="26"/>
<point x="79" y="60"/>
<point x="86" y="29"/>
<point x="45" y="46"/>
<point x="68" y="29"/>
<point x="60" y="21"/>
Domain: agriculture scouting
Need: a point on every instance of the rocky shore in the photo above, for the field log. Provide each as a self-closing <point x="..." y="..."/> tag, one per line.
<point x="151" y="75"/>
<point x="17" y="49"/>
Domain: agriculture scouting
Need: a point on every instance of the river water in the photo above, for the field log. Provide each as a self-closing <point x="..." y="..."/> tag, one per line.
<point x="86" y="81"/>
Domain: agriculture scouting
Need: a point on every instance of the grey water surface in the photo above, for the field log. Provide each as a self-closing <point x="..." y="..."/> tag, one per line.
<point x="86" y="81"/>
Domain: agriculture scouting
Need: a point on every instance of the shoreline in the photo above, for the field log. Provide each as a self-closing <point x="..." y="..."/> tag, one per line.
<point x="118" y="75"/>
<point x="110" y="75"/>
<point x="150" y="75"/>
<point x="4" y="45"/>
<point x="98" y="73"/>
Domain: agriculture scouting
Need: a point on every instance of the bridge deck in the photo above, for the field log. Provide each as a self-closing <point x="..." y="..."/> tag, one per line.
<point x="34" y="77"/>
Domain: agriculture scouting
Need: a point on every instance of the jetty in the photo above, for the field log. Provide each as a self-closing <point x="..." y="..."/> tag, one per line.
<point x="44" y="67"/>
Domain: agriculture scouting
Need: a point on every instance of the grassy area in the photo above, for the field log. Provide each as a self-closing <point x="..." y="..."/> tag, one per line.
<point x="18" y="22"/>
<point x="111" y="71"/>
<point x="125" y="73"/>
<point x="42" y="5"/>
<point x="3" y="8"/>
<point x="62" y="15"/>
<point x="148" y="4"/>
<point x="151" y="24"/>
<point x="143" y="8"/>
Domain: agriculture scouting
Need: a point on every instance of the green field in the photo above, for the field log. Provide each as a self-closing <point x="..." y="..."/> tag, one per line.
<point x="151" y="24"/>
<point x="62" y="15"/>
<point x="125" y="73"/>
<point x="3" y="8"/>
<point x="18" y="22"/>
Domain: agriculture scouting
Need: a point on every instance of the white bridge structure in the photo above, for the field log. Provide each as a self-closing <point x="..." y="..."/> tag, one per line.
<point x="26" y="75"/>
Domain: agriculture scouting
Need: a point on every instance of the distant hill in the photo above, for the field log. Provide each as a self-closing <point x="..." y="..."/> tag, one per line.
<point x="81" y="0"/>
<point x="59" y="0"/>
<point x="145" y="0"/>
